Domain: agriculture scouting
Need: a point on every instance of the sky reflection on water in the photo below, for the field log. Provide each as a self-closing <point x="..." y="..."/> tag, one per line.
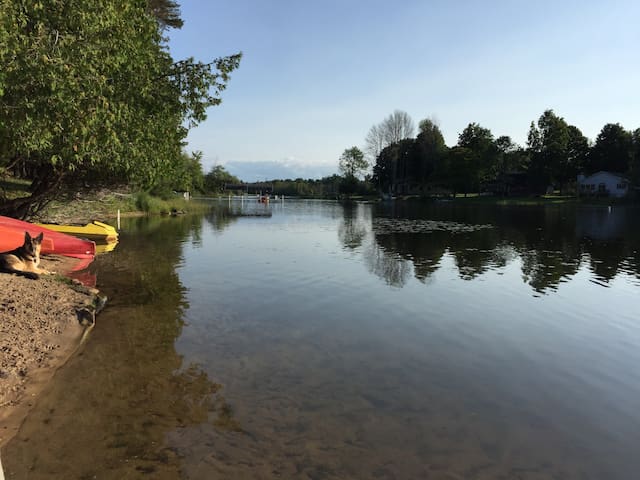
<point x="484" y="342"/>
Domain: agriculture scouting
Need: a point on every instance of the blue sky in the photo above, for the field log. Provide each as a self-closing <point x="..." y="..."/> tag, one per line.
<point x="316" y="75"/>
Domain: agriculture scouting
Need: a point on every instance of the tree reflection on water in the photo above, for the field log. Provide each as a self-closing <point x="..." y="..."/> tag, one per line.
<point x="112" y="420"/>
<point x="552" y="244"/>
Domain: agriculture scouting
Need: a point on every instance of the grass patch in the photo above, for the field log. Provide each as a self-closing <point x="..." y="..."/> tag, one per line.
<point x="95" y="203"/>
<point x="105" y="204"/>
<point x="150" y="204"/>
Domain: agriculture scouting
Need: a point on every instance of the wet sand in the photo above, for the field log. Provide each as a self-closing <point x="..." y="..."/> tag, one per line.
<point x="40" y="329"/>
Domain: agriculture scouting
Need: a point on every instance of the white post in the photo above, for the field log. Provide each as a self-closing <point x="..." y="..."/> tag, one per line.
<point x="118" y="219"/>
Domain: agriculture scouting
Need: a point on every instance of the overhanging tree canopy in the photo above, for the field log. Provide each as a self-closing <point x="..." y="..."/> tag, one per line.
<point x="88" y="89"/>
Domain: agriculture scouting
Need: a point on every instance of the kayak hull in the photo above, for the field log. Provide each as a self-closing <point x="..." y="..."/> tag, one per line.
<point x="94" y="231"/>
<point x="11" y="239"/>
<point x="12" y="236"/>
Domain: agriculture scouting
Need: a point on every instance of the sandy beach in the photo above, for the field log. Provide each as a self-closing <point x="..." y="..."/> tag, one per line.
<point x="42" y="322"/>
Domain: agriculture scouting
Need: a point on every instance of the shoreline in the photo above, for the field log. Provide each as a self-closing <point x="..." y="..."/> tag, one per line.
<point x="42" y="324"/>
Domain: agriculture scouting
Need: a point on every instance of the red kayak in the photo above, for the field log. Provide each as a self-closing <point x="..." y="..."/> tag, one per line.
<point x="12" y="236"/>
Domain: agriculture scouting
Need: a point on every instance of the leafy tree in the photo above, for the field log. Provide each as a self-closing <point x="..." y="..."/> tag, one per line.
<point x="548" y="147"/>
<point x="476" y="138"/>
<point x="348" y="185"/>
<point x="558" y="152"/>
<point x="166" y="12"/>
<point x="577" y="154"/>
<point x="511" y="165"/>
<point x="460" y="173"/>
<point x="194" y="175"/>
<point x="383" y="170"/>
<point x="504" y="146"/>
<point x="512" y="158"/>
<point x="431" y="150"/>
<point x="612" y="151"/>
<point x="352" y="162"/>
<point x="216" y="179"/>
<point x="534" y="140"/>
<point x="90" y="92"/>
<point x="479" y="141"/>
<point x="187" y="174"/>
<point x="395" y="167"/>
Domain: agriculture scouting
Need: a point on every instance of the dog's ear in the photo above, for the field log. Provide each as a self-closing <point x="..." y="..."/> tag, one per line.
<point x="39" y="238"/>
<point x="27" y="237"/>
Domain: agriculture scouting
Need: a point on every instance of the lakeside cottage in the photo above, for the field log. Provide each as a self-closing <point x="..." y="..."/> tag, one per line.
<point x="603" y="184"/>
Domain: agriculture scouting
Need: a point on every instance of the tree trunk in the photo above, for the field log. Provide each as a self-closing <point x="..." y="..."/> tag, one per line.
<point x="43" y="189"/>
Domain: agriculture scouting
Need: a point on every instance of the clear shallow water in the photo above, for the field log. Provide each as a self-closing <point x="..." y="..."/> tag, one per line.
<point x="367" y="341"/>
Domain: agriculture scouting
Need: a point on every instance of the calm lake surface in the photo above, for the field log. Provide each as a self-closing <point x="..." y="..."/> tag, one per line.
<point x="386" y="341"/>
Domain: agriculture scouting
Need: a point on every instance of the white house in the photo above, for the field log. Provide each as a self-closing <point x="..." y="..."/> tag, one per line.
<point x="603" y="184"/>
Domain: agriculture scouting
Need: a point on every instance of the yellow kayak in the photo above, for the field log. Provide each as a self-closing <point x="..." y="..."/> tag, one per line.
<point x="93" y="231"/>
<point x="107" y="247"/>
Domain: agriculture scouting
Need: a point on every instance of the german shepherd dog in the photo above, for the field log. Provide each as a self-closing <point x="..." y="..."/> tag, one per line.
<point x="24" y="260"/>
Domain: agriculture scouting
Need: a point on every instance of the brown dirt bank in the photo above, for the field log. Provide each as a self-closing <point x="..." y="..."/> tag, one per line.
<point x="39" y="329"/>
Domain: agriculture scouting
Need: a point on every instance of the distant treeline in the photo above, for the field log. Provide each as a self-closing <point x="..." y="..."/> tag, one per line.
<point x="555" y="154"/>
<point x="218" y="181"/>
<point x="327" y="187"/>
<point x="400" y="163"/>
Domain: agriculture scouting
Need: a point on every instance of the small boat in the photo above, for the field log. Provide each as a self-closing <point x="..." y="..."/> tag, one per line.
<point x="93" y="231"/>
<point x="12" y="236"/>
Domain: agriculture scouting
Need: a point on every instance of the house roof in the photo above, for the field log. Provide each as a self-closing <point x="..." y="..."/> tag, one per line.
<point x="612" y="174"/>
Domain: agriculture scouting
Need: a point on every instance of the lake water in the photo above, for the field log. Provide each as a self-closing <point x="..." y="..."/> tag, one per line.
<point x="311" y="340"/>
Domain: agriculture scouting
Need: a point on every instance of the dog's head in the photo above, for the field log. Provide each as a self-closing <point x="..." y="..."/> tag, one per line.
<point x="32" y="245"/>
